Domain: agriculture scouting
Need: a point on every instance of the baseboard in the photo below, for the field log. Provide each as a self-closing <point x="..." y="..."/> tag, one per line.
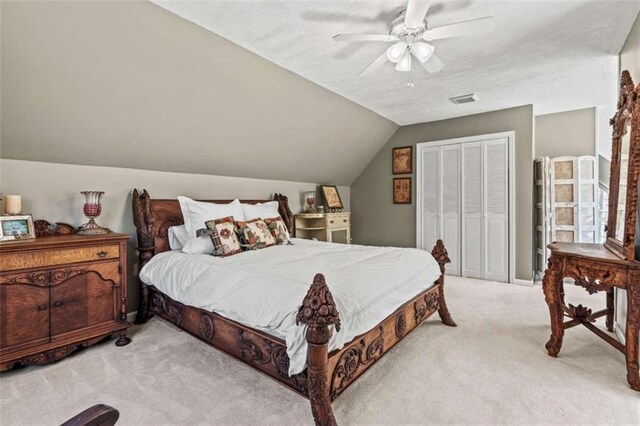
<point x="619" y="332"/>
<point x="528" y="283"/>
<point x="131" y="316"/>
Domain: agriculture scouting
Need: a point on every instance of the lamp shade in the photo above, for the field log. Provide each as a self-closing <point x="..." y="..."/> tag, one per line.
<point x="404" y="64"/>
<point x="422" y="51"/>
<point x="395" y="52"/>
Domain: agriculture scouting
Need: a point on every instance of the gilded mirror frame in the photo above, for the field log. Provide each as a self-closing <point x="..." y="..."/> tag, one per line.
<point x="626" y="119"/>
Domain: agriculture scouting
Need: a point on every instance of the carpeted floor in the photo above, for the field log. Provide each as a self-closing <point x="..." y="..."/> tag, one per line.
<point x="492" y="369"/>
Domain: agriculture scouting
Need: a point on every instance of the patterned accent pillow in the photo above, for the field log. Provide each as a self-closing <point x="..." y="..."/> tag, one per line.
<point x="278" y="230"/>
<point x="255" y="234"/>
<point x="224" y="238"/>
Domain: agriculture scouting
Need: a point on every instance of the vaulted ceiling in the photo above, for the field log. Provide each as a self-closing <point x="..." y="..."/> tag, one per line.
<point x="556" y="55"/>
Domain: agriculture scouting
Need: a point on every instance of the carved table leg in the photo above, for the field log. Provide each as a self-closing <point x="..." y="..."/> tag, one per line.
<point x="439" y="252"/>
<point x="632" y="332"/>
<point x="318" y="312"/>
<point x="143" y="304"/>
<point x="610" y="308"/>
<point x="553" y="294"/>
<point x="123" y="340"/>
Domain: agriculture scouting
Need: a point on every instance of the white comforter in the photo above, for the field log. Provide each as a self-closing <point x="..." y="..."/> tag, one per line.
<point x="264" y="288"/>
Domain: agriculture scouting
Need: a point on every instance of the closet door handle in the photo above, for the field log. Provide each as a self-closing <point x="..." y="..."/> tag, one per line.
<point x="102" y="253"/>
<point x="58" y="303"/>
<point x="42" y="307"/>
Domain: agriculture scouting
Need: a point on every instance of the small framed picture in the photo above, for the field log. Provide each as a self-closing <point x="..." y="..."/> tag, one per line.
<point x="18" y="227"/>
<point x="402" y="160"/>
<point x="331" y="197"/>
<point x="402" y="190"/>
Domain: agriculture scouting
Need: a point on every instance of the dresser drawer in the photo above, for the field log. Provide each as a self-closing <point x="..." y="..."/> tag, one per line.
<point x="338" y="221"/>
<point x="36" y="259"/>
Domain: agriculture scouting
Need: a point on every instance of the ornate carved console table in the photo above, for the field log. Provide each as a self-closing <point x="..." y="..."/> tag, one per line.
<point x="595" y="268"/>
<point x="612" y="265"/>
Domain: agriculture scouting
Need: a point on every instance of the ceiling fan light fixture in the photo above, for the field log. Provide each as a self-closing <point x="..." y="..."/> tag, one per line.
<point x="404" y="65"/>
<point x="422" y="51"/>
<point x="396" y="52"/>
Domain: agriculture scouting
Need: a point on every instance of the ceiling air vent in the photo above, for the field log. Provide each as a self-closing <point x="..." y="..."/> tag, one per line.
<point x="464" y="99"/>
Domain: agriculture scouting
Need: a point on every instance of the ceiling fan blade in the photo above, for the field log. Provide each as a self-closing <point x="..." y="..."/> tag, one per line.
<point x="374" y="65"/>
<point x="364" y="37"/>
<point x="433" y="65"/>
<point x="416" y="11"/>
<point x="475" y="26"/>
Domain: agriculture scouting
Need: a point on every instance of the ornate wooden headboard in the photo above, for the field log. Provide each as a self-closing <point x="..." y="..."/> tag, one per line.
<point x="154" y="217"/>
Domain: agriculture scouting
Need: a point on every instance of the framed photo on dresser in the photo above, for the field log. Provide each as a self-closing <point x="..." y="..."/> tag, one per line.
<point x="402" y="190"/>
<point x="402" y="160"/>
<point x="16" y="227"/>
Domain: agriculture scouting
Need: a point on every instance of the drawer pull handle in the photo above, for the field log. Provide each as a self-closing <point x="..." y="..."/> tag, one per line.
<point x="344" y="220"/>
<point x="330" y="221"/>
<point x="42" y="307"/>
<point x="102" y="254"/>
<point x="58" y="304"/>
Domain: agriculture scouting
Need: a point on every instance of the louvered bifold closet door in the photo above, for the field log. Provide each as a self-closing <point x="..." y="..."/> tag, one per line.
<point x="495" y="210"/>
<point x="429" y="186"/>
<point x="472" y="194"/>
<point x="450" y="202"/>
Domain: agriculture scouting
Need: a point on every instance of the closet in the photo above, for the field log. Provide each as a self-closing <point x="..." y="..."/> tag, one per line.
<point x="463" y="197"/>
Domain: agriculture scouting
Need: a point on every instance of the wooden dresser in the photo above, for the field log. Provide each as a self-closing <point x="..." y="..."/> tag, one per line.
<point x="322" y="226"/>
<point x="60" y="293"/>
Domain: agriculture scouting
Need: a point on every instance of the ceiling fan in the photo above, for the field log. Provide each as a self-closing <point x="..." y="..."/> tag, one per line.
<point x="409" y="33"/>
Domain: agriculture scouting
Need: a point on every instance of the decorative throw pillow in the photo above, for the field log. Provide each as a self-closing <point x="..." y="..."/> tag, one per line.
<point x="278" y="230"/>
<point x="224" y="238"/>
<point x="255" y="234"/>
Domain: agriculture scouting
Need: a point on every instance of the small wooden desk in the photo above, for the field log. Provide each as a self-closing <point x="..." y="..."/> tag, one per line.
<point x="595" y="268"/>
<point x="322" y="225"/>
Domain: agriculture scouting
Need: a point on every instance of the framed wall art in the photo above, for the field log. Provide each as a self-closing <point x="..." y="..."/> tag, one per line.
<point x="402" y="160"/>
<point x="331" y="197"/>
<point x="16" y="227"/>
<point x="402" y="190"/>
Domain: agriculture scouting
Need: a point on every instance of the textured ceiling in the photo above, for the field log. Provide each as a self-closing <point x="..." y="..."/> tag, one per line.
<point x="556" y="55"/>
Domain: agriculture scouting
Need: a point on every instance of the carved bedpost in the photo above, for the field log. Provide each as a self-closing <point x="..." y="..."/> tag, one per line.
<point x="284" y="210"/>
<point x="143" y="219"/>
<point x="318" y="312"/>
<point x="439" y="253"/>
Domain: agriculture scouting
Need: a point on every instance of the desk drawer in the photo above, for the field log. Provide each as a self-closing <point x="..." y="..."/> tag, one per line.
<point x="36" y="259"/>
<point x="338" y="221"/>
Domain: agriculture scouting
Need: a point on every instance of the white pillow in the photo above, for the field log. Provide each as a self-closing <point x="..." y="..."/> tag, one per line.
<point x="196" y="213"/>
<point x="260" y="210"/>
<point x="178" y="237"/>
<point x="200" y="245"/>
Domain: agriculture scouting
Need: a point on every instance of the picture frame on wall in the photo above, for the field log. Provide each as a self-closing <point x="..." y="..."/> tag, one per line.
<point x="402" y="160"/>
<point x="402" y="190"/>
<point x="331" y="197"/>
<point x="16" y="227"/>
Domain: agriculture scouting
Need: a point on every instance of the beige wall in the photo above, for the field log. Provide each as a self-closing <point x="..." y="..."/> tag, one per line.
<point x="52" y="191"/>
<point x="376" y="220"/>
<point x="629" y="60"/>
<point x="570" y="133"/>
<point x="129" y="84"/>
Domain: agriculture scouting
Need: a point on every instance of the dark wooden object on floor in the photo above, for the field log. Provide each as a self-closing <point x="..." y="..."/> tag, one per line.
<point x="598" y="267"/>
<point x="328" y="373"/>
<point x="98" y="415"/>
<point x="59" y="293"/>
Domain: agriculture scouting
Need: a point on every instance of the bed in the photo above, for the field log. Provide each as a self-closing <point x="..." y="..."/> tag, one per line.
<point x="257" y="306"/>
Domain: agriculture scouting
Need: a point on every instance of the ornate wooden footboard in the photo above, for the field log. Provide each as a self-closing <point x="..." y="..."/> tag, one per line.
<point x="327" y="374"/>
